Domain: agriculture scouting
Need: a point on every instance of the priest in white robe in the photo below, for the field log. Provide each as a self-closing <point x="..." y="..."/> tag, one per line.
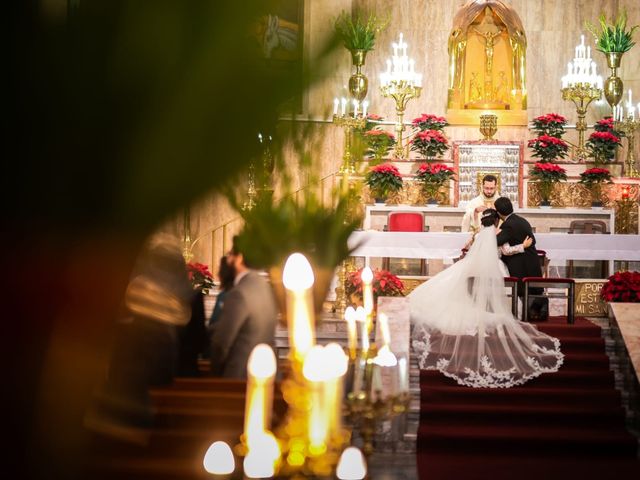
<point x="489" y="194"/>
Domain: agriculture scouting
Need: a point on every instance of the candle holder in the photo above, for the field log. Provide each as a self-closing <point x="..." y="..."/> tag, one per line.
<point x="581" y="94"/>
<point x="628" y="126"/>
<point x="488" y="125"/>
<point x="348" y="123"/>
<point x="625" y="212"/>
<point x="401" y="92"/>
<point x="252" y="193"/>
<point x="187" y="244"/>
<point x="401" y="83"/>
<point x="365" y="406"/>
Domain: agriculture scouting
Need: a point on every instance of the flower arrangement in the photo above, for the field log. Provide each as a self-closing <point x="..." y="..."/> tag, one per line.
<point x="622" y="287"/>
<point x="383" y="180"/>
<point x="433" y="176"/>
<point x="200" y="276"/>
<point x="385" y="284"/>
<point x="546" y="176"/>
<point x="430" y="143"/>
<point x="593" y="179"/>
<point x="428" y="121"/>
<point x="614" y="37"/>
<point x="602" y="146"/>
<point x="378" y="143"/>
<point x="550" y="124"/>
<point x="358" y="32"/>
<point x="547" y="148"/>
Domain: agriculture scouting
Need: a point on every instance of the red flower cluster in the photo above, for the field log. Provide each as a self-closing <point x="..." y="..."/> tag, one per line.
<point x="622" y="287"/>
<point x="434" y="168"/>
<point x="379" y="133"/>
<point x="546" y="140"/>
<point x="430" y="136"/>
<point x="374" y="117"/>
<point x="549" y="167"/>
<point x="385" y="284"/>
<point x="428" y="117"/>
<point x="199" y="275"/>
<point x="550" y="118"/>
<point x="597" y="171"/>
<point x="387" y="169"/>
<point x="604" y="137"/>
<point x="606" y="124"/>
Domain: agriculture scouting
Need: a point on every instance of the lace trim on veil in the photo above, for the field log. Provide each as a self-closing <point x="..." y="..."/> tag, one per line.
<point x="486" y="375"/>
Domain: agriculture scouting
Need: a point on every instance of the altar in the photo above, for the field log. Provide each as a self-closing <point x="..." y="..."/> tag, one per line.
<point x="449" y="219"/>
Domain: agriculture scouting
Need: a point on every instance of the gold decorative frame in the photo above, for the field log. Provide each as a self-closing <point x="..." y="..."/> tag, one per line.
<point x="481" y="175"/>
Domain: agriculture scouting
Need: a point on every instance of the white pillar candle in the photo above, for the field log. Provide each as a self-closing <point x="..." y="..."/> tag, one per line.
<point x="314" y="370"/>
<point x="298" y="281"/>
<point x="261" y="370"/>
<point x="367" y="294"/>
<point x="352" y="465"/>
<point x="336" y="363"/>
<point x="365" y="106"/>
<point x="403" y="375"/>
<point x="343" y="105"/>
<point x="336" y="104"/>
<point x="350" y="318"/>
<point x="361" y="318"/>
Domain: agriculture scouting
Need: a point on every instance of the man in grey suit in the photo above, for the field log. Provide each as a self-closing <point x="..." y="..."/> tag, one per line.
<point x="249" y="317"/>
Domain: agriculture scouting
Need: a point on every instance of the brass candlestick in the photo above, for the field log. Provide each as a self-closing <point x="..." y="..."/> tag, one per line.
<point x="187" y="244"/>
<point x="401" y="92"/>
<point x="348" y="123"/>
<point x="628" y="127"/>
<point x="488" y="125"/>
<point x="581" y="94"/>
<point x="250" y="202"/>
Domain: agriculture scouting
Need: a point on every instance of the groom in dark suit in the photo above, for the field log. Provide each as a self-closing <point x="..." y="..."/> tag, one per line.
<point x="514" y="230"/>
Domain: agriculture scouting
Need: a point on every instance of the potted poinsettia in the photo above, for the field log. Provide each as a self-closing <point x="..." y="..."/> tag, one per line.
<point x="622" y="287"/>
<point x="383" y="180"/>
<point x="433" y="176"/>
<point x="378" y="144"/>
<point x="546" y="175"/>
<point x="551" y="124"/>
<point x="430" y="143"/>
<point x="428" y="121"/>
<point x="200" y="277"/>
<point x="548" y="148"/>
<point x="602" y="146"/>
<point x="385" y="284"/>
<point x="593" y="179"/>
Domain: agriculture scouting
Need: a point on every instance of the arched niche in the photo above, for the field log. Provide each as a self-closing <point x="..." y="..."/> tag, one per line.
<point x="487" y="64"/>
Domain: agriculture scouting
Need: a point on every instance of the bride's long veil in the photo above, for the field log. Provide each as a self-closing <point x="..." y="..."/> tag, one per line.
<point x="463" y="325"/>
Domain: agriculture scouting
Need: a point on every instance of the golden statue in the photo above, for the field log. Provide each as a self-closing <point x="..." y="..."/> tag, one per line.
<point x="487" y="37"/>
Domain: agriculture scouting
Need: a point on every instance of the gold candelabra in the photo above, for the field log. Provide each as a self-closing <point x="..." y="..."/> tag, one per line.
<point x="187" y="244"/>
<point x="488" y="125"/>
<point x="628" y="126"/>
<point x="581" y="94"/>
<point x="348" y="123"/>
<point x="401" y="91"/>
<point x="366" y="406"/>
<point x="252" y="193"/>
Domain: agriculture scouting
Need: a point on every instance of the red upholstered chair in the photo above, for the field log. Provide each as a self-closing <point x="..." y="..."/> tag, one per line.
<point x="405" y="222"/>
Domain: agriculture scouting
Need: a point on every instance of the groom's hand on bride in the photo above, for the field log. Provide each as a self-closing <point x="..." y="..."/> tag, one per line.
<point x="528" y="241"/>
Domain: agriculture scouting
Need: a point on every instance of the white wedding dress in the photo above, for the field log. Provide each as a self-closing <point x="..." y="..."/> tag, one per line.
<point x="463" y="325"/>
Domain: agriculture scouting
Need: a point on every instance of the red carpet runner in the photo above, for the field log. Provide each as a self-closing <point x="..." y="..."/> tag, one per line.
<point x="559" y="425"/>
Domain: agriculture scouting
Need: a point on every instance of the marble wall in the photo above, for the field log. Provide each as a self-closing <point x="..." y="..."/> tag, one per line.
<point x="553" y="28"/>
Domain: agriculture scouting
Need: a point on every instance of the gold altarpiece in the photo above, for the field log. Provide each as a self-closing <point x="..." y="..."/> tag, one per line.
<point x="487" y="64"/>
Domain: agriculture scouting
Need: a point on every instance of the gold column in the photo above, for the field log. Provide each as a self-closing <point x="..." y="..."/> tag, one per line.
<point x="581" y="94"/>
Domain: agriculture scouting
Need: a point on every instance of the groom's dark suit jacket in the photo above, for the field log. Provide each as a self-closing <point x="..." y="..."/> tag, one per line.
<point x="513" y="231"/>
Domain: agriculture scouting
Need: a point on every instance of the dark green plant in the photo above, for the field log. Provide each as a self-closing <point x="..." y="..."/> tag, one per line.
<point x="358" y="32"/>
<point x="613" y="37"/>
<point x="383" y="180"/>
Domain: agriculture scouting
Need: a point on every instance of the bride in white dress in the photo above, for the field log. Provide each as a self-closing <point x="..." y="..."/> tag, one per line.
<point x="463" y="325"/>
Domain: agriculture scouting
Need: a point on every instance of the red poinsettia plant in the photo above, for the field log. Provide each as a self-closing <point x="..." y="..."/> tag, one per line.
<point x="551" y="124"/>
<point x="622" y="287"/>
<point x="602" y="146"/>
<point x="548" y="148"/>
<point x="430" y="143"/>
<point x="383" y="180"/>
<point x="606" y="124"/>
<point x="385" y="284"/>
<point x="595" y="175"/>
<point x="199" y="276"/>
<point x="428" y="121"/>
<point x="546" y="176"/>
<point x="378" y="143"/>
<point x="433" y="176"/>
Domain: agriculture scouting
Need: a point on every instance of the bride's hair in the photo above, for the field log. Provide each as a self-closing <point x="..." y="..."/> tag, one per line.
<point x="489" y="217"/>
